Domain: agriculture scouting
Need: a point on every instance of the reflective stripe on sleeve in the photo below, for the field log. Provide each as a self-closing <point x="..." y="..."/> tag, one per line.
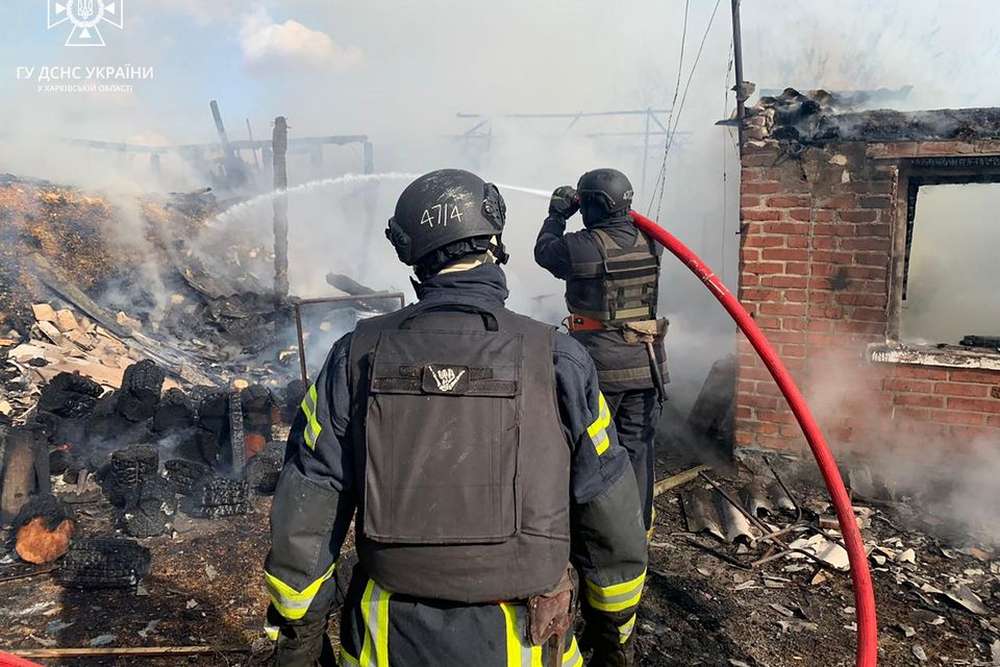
<point x="313" y="427"/>
<point x="272" y="632"/>
<point x="375" y="612"/>
<point x="519" y="652"/>
<point x="625" y="630"/>
<point x="290" y="603"/>
<point x="598" y="430"/>
<point x="572" y="656"/>
<point x="617" y="597"/>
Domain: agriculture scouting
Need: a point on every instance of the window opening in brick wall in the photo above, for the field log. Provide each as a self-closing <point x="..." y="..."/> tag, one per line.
<point x="951" y="280"/>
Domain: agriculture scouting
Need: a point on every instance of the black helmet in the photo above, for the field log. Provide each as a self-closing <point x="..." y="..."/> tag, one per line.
<point x="607" y="190"/>
<point x="443" y="207"/>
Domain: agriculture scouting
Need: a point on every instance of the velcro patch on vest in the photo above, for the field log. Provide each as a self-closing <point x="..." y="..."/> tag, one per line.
<point x="443" y="379"/>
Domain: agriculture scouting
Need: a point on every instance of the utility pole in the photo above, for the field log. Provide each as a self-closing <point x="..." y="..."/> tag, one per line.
<point x="279" y="149"/>
<point x="741" y="96"/>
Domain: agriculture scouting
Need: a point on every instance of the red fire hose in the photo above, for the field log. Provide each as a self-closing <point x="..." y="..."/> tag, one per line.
<point x="8" y="660"/>
<point x="864" y="593"/>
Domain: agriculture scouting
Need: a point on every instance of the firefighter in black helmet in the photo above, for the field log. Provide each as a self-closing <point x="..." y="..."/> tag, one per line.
<point x="612" y="275"/>
<point x="476" y="455"/>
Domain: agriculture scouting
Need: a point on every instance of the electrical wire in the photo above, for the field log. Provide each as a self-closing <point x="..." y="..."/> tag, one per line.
<point x="677" y="116"/>
<point x="673" y="104"/>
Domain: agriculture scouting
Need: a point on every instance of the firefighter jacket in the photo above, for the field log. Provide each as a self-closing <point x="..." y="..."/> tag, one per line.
<point x="361" y="448"/>
<point x="612" y="275"/>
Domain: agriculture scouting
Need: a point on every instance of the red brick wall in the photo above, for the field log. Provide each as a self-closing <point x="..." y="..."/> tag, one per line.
<point x="815" y="259"/>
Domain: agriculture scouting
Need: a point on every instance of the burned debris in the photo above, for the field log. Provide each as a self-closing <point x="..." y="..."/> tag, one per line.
<point x="104" y="563"/>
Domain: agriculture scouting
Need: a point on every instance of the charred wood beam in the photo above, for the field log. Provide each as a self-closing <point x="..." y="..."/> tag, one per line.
<point x="279" y="147"/>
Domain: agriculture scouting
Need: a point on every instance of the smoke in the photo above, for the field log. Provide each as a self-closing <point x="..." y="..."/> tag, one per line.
<point x="400" y="72"/>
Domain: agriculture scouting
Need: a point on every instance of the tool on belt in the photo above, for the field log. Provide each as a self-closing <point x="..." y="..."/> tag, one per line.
<point x="646" y="332"/>
<point x="551" y="615"/>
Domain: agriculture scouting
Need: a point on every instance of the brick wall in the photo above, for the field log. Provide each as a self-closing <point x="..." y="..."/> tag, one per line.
<point x="815" y="257"/>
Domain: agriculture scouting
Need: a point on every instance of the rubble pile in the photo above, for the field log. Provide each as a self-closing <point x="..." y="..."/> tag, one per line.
<point x="145" y="454"/>
<point x="819" y="116"/>
<point x="752" y="567"/>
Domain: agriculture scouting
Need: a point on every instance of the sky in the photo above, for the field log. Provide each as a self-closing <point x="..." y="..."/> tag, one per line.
<point x="400" y="70"/>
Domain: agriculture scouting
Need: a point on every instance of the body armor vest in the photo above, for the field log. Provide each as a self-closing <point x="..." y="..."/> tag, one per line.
<point x="621" y="287"/>
<point x="464" y="472"/>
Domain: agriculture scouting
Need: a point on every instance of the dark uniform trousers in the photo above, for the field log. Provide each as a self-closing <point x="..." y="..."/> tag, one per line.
<point x="636" y="414"/>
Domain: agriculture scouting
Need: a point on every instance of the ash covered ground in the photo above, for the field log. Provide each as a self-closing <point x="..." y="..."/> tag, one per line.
<point x="937" y="583"/>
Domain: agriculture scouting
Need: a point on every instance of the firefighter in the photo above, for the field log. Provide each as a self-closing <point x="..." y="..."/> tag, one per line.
<point x="475" y="453"/>
<point x="612" y="273"/>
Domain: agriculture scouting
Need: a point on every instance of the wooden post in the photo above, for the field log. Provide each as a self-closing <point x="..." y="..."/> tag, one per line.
<point x="279" y="147"/>
<point x="20" y="477"/>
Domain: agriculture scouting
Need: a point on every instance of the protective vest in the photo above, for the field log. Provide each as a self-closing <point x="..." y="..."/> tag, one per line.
<point x="464" y="489"/>
<point x="620" y="287"/>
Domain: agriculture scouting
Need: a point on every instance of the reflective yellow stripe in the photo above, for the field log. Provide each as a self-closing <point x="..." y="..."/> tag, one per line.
<point x="572" y="656"/>
<point x="519" y="652"/>
<point x="313" y="427"/>
<point x="375" y="612"/>
<point x="617" y="597"/>
<point x="348" y="660"/>
<point x="290" y="603"/>
<point x="272" y="632"/>
<point x="598" y="430"/>
<point x="625" y="630"/>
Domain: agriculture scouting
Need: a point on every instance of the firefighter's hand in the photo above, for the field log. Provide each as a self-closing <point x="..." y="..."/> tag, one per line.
<point x="564" y="203"/>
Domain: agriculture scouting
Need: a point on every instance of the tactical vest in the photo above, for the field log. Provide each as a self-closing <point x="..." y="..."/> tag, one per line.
<point x="464" y="470"/>
<point x="621" y="287"/>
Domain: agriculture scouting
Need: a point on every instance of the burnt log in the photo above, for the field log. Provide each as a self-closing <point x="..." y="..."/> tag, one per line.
<point x="175" y="412"/>
<point x="216" y="496"/>
<point x="259" y="409"/>
<point x="42" y="530"/>
<point x="107" y="425"/>
<point x="148" y="513"/>
<point x="69" y="396"/>
<point x="237" y="436"/>
<point x="130" y="469"/>
<point x="212" y="434"/>
<point x="140" y="391"/>
<point x="103" y="563"/>
<point x="264" y="469"/>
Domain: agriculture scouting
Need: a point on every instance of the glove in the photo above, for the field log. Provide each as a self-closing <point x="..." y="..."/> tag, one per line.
<point x="564" y="202"/>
